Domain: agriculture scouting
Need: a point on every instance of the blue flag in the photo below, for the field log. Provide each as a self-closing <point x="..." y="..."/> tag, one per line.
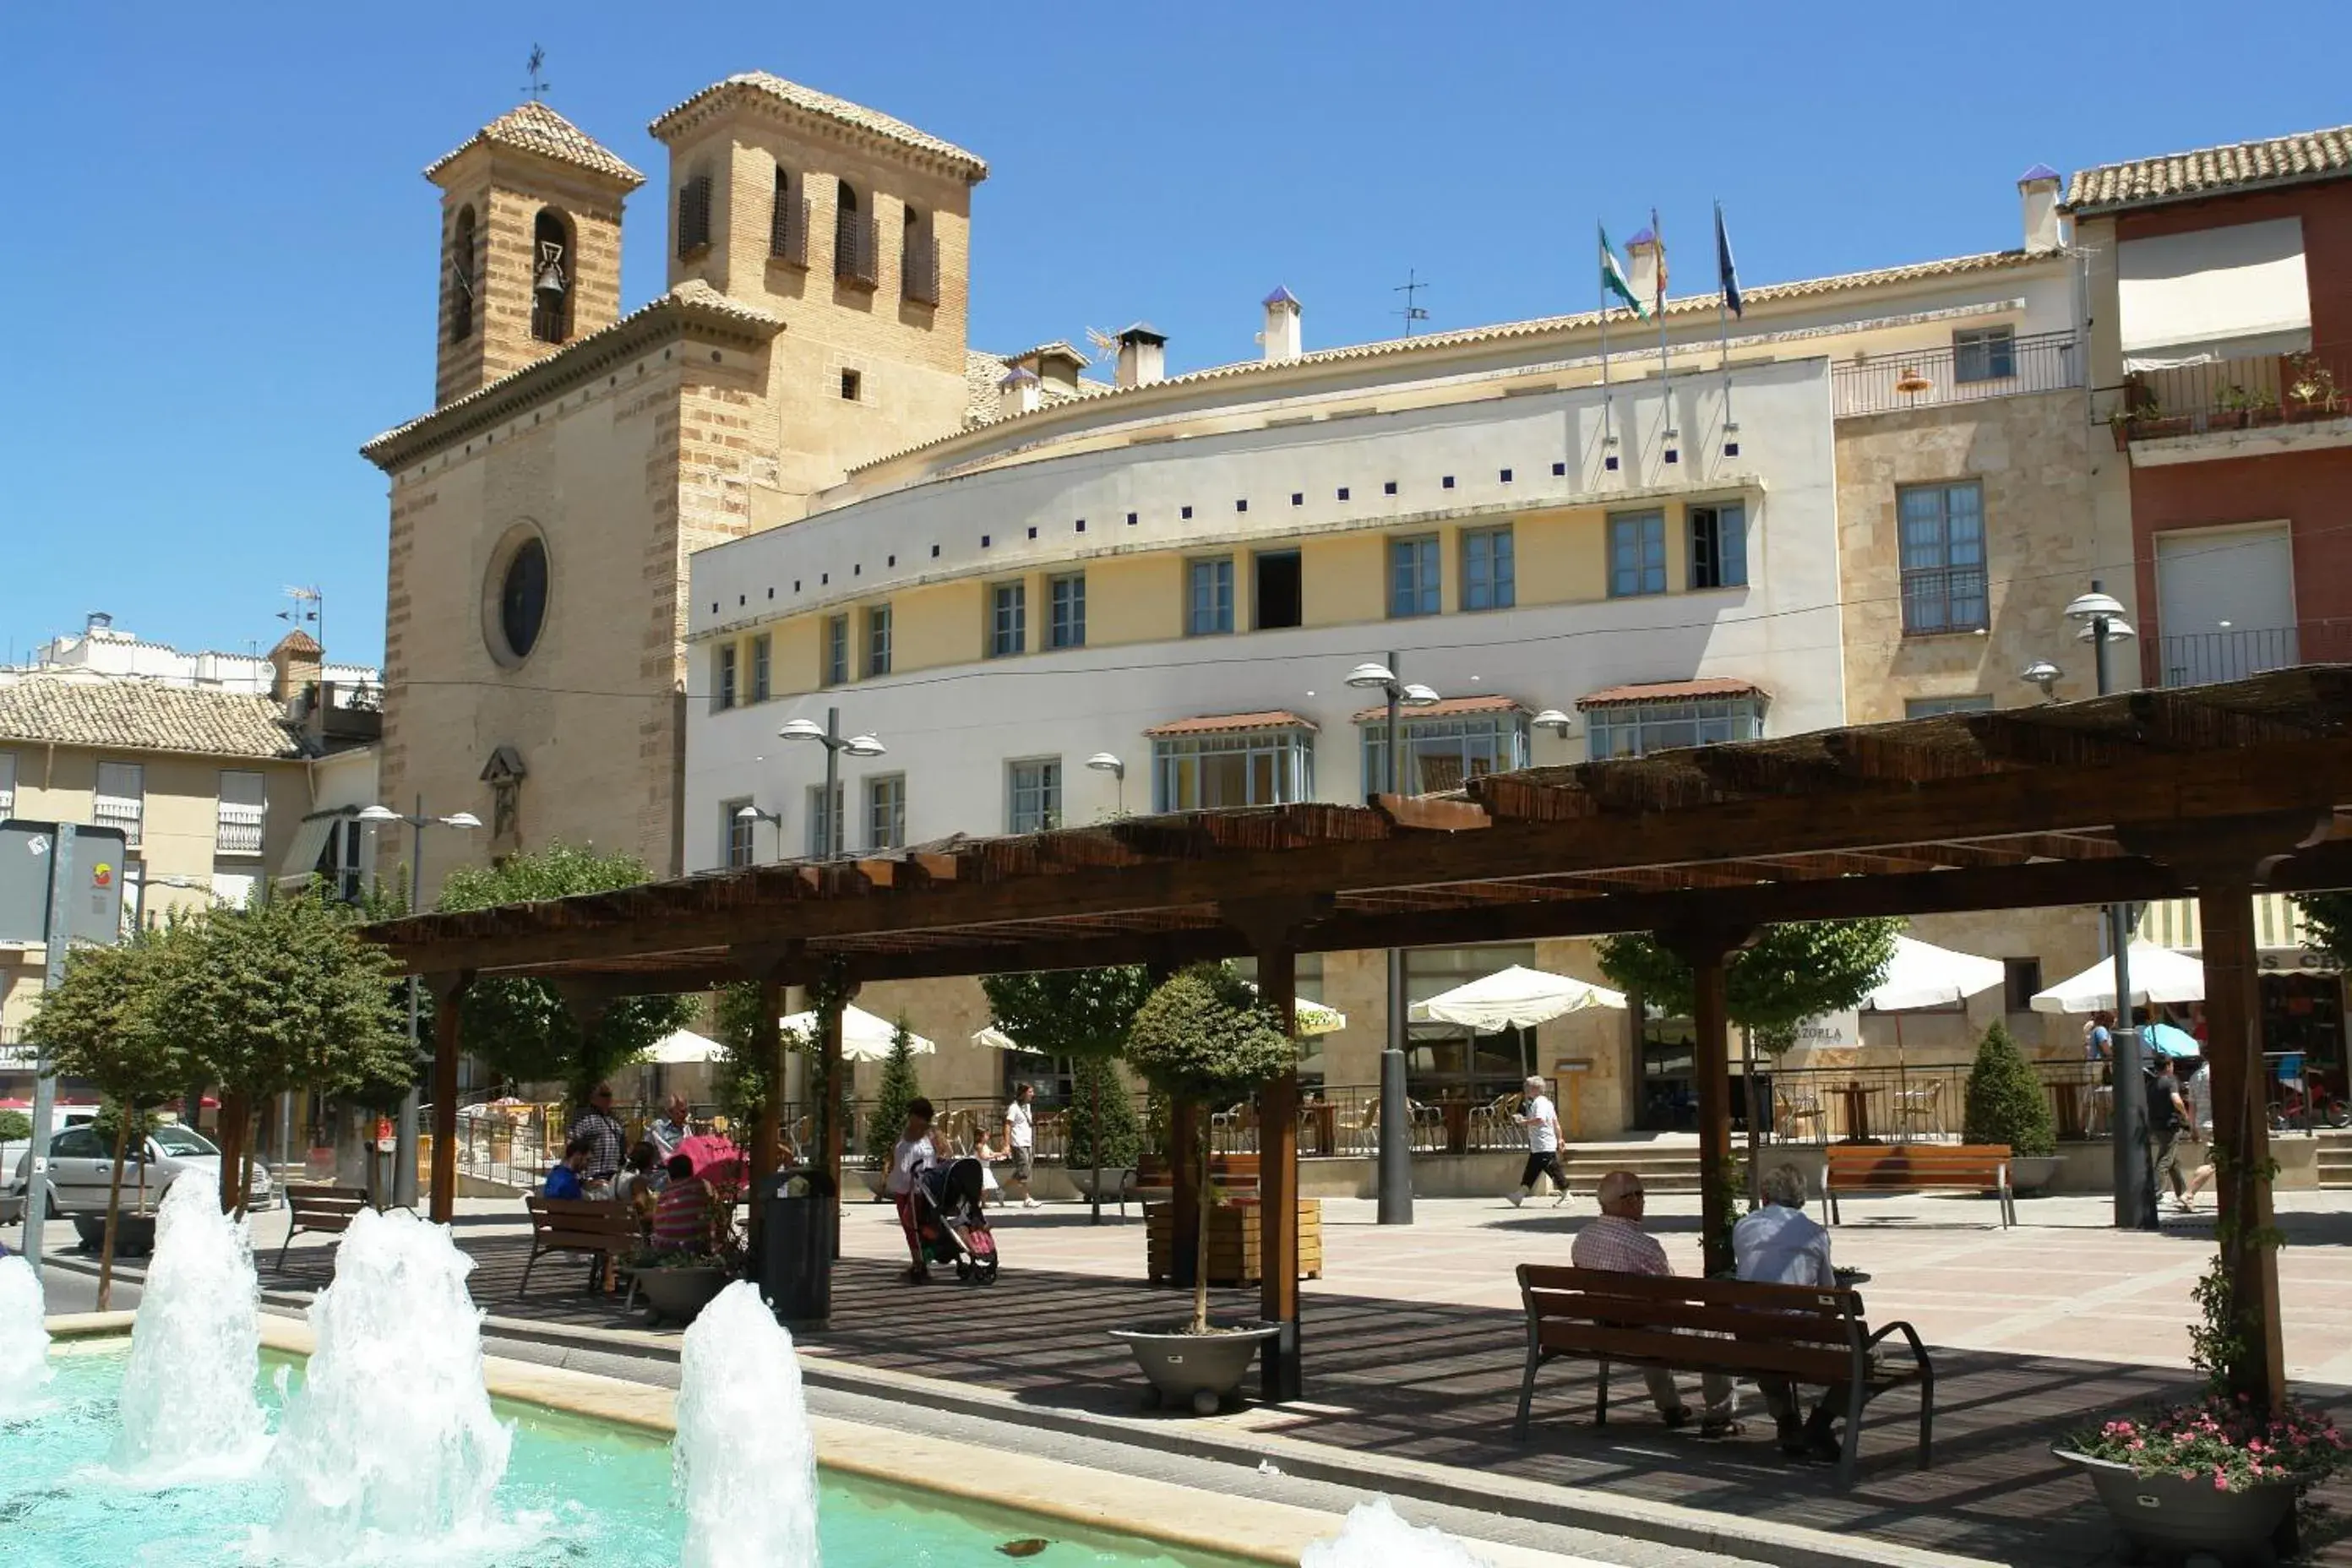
<point x="1726" y="273"/>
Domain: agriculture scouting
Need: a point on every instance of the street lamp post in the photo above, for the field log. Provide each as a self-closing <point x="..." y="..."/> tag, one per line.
<point x="1108" y="763"/>
<point x="1396" y="1148"/>
<point x="404" y="1174"/>
<point x="835" y="745"/>
<point x="2102" y="620"/>
<point x="752" y="813"/>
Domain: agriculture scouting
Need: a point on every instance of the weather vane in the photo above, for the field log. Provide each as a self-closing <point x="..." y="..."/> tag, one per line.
<point x="538" y="89"/>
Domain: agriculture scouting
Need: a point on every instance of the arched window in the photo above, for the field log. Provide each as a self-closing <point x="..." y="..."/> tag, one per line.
<point x="550" y="276"/>
<point x="694" y="213"/>
<point x="788" y="224"/>
<point x="462" y="273"/>
<point x="853" y="239"/>
<point x="919" y="258"/>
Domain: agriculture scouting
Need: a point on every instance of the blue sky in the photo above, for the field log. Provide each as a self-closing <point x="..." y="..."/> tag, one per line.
<point x="218" y="253"/>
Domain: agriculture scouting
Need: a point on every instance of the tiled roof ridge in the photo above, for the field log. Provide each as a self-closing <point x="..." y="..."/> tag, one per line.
<point x="533" y="127"/>
<point x="146" y="716"/>
<point x="692" y="298"/>
<point x="2249" y="164"/>
<point x="840" y="110"/>
<point x="1502" y="332"/>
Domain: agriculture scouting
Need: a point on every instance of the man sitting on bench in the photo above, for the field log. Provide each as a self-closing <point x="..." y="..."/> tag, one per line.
<point x="1777" y="1245"/>
<point x="1617" y="1242"/>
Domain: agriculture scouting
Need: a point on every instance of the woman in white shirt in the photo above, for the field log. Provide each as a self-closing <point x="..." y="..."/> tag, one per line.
<point x="1020" y="1141"/>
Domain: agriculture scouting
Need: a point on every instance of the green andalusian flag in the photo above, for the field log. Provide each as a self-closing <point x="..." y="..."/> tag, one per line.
<point x="1613" y="280"/>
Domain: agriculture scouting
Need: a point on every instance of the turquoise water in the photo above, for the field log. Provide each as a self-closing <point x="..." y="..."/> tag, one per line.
<point x="576" y="1492"/>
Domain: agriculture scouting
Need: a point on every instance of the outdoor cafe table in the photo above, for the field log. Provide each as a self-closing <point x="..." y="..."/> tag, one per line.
<point x="1856" y="1095"/>
<point x="2068" y="1098"/>
<point x="1319" y="1122"/>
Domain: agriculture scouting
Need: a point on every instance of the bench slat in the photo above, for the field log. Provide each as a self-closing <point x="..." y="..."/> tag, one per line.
<point x="1681" y="1287"/>
<point x="1668" y="1317"/>
<point x="1696" y="1352"/>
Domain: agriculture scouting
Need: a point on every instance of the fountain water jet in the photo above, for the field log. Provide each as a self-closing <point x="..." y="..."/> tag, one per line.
<point x="744" y="1465"/>
<point x="389" y="1446"/>
<point x="1376" y="1536"/>
<point x="24" y="1338"/>
<point x="190" y="1409"/>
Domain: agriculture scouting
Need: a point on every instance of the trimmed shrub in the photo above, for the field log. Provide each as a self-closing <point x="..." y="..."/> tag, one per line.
<point x="1095" y="1082"/>
<point x="2005" y="1103"/>
<point x="891" y="1096"/>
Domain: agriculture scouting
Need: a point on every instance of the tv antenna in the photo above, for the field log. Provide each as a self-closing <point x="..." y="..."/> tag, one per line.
<point x="535" y="65"/>
<point x="1410" y="289"/>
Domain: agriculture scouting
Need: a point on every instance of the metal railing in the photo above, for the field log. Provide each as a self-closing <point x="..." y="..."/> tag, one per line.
<point x="1906" y="1104"/>
<point x="1944" y="599"/>
<point x="2237" y="394"/>
<point x="240" y="829"/>
<point x="2199" y="658"/>
<point x="1966" y="373"/>
<point x="115" y="811"/>
<point x="856" y="249"/>
<point x="788" y="231"/>
<point x="921" y="279"/>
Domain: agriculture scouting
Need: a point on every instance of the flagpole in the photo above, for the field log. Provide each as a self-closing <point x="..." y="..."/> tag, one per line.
<point x="1606" y="395"/>
<point x="1723" y="317"/>
<point x="1658" y="238"/>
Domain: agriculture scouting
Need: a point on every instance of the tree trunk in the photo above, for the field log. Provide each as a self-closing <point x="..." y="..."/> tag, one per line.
<point x="114" y="1204"/>
<point x="1094" y="1144"/>
<point x="1200" y="1242"/>
<point x="234" y="1139"/>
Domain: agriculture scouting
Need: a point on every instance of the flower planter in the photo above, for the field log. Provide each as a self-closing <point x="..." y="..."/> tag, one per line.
<point x="1117" y="1180"/>
<point x="134" y="1234"/>
<point x="1202" y="1371"/>
<point x="2031" y="1173"/>
<point x="2171" y="1517"/>
<point x="878" y="1182"/>
<point x="679" y="1294"/>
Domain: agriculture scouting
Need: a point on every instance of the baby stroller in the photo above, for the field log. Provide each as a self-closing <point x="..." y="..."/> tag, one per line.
<point x="950" y="1223"/>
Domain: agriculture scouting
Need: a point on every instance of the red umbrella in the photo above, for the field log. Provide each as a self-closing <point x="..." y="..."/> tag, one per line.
<point x="715" y="1158"/>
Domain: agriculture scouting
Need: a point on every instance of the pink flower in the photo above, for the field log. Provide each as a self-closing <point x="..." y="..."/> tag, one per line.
<point x="2138" y="1445"/>
<point x="2220" y="1483"/>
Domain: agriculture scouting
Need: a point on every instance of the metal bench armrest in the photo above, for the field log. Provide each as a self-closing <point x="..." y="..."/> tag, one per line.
<point x="1918" y="1351"/>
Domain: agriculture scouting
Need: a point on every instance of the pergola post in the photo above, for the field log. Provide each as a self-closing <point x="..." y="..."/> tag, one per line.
<point x="2234" y="1037"/>
<point x="449" y="1031"/>
<point x="766" y="1045"/>
<point x="1277" y="1187"/>
<point x="836" y="996"/>
<point x="1705" y="949"/>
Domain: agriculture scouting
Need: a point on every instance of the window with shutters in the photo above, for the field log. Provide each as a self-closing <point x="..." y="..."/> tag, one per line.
<point x="1489" y="570"/>
<point x="1066" y="625"/>
<point x="694" y="214"/>
<point x="1008" y="619"/>
<point x="877" y="640"/>
<point x="919" y="274"/>
<point x="1414" y="583"/>
<point x="834" y="670"/>
<point x="1718" y="546"/>
<point x="242" y="815"/>
<point x="854" y="247"/>
<point x="1209" y="596"/>
<point x="7" y="783"/>
<point x="788" y="222"/>
<point x="1941" y="528"/>
<point x="886" y="812"/>
<point x="121" y="800"/>
<point x="762" y="648"/>
<point x="722" y="685"/>
<point x="1637" y="554"/>
<point x="552" y="277"/>
<point x="822" y="816"/>
<point x="736" y="830"/>
<point x="1033" y="794"/>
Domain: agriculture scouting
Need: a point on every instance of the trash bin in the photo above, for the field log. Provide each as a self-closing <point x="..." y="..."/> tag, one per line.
<point x="799" y="1215"/>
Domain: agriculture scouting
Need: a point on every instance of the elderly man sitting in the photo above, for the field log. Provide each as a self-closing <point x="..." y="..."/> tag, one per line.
<point x="1781" y="1244"/>
<point x="1616" y="1242"/>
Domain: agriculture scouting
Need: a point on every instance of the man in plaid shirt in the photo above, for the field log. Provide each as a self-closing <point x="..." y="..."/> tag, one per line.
<point x="1616" y="1242"/>
<point x="602" y="1130"/>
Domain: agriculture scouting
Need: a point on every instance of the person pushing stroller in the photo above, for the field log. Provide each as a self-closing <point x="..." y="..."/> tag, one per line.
<point x="938" y="1201"/>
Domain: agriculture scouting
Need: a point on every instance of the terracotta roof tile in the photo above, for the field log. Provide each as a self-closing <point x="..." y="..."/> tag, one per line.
<point x="2210" y="171"/>
<point x="1671" y="691"/>
<point x="981" y="374"/>
<point x="1446" y="708"/>
<point x="535" y="127"/>
<point x="973" y="167"/>
<point x="1228" y="723"/>
<point x="136" y="716"/>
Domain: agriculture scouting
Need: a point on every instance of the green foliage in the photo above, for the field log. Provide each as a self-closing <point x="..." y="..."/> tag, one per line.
<point x="899" y="1086"/>
<point x="739" y="1079"/>
<point x="102" y="1022"/>
<point x="1103" y="1130"/>
<point x="1075" y="1013"/>
<point x="2005" y="1103"/>
<point x="108" y="1121"/>
<point x="521" y="1028"/>
<point x="2327" y="921"/>
<point x="1789" y="973"/>
<point x="16" y="1127"/>
<point x="1204" y="1036"/>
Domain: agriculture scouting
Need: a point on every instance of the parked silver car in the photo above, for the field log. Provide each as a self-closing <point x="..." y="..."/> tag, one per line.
<point x="81" y="1169"/>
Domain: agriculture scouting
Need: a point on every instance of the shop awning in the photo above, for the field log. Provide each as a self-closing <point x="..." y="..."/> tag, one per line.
<point x="1229" y="723"/>
<point x="310" y="841"/>
<point x="2235" y="293"/>
<point x="1671" y="691"/>
<point x="2278" y="931"/>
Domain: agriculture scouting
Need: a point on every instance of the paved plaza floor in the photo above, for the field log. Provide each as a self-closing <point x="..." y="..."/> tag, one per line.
<point x="1414" y="1343"/>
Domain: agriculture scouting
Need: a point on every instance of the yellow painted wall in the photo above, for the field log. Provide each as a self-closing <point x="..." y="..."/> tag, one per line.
<point x="1342" y="578"/>
<point x="1561" y="557"/>
<point x="940" y="623"/>
<point x="1137" y="598"/>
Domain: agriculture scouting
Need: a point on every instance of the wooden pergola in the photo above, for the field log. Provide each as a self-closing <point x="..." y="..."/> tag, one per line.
<point x="2219" y="791"/>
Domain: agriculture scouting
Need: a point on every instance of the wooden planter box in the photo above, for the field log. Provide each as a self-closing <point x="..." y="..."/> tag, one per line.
<point x="1233" y="1251"/>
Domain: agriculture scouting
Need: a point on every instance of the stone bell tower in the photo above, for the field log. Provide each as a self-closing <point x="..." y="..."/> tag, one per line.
<point x="530" y="244"/>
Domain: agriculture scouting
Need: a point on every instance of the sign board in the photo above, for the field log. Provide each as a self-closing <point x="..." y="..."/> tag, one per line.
<point x="1572" y="1064"/>
<point x="1831" y="1031"/>
<point x="94" y="909"/>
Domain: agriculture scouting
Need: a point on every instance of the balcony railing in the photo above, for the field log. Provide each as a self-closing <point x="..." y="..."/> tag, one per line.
<point x="1944" y="599"/>
<point x="1967" y="372"/>
<point x="240" y="829"/>
<point x="921" y="279"/>
<point x="2201" y="658"/>
<point x="2237" y="395"/>
<point x="116" y="811"/>
<point x="788" y="231"/>
<point x="856" y="251"/>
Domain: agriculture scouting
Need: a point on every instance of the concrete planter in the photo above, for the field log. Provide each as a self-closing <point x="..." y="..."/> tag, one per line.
<point x="678" y="1295"/>
<point x="2031" y="1173"/>
<point x="1115" y="1180"/>
<point x="1202" y="1371"/>
<point x="134" y="1234"/>
<point x="2168" y="1518"/>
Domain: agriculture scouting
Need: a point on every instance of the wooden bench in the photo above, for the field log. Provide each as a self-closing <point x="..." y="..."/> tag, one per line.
<point x="1919" y="1168"/>
<point x="1730" y="1326"/>
<point x="603" y="1228"/>
<point x="322" y="1210"/>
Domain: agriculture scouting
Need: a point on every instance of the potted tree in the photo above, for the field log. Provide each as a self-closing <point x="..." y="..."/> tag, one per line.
<point x="899" y="1086"/>
<point x="1085" y="1015"/>
<point x="678" y="1284"/>
<point x="2006" y="1105"/>
<point x="1203" y="1036"/>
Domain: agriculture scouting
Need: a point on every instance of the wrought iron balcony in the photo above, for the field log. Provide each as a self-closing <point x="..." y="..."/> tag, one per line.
<point x="788" y="231"/>
<point x="2201" y="658"/>
<point x="2236" y="395"/>
<point x="921" y="282"/>
<point x="240" y="829"/>
<point x="117" y="811"/>
<point x="856" y="251"/>
<point x="1967" y="373"/>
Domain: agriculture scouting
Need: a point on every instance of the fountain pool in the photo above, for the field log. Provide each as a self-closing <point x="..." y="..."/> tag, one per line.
<point x="575" y="1492"/>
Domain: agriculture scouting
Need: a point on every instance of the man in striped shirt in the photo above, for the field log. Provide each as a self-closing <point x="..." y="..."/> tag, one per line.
<point x="1616" y="1242"/>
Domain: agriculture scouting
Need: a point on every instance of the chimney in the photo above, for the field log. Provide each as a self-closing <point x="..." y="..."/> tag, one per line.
<point x="2039" y="187"/>
<point x="1019" y="393"/>
<point x="95" y="621"/>
<point x="296" y="667"/>
<point x="1281" y="339"/>
<point x="1645" y="260"/>
<point x="1142" y="356"/>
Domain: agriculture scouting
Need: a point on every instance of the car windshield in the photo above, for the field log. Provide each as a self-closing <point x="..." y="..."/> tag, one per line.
<point x="173" y="1139"/>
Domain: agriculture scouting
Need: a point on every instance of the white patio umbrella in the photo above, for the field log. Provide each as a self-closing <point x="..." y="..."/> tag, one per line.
<point x="1513" y="999"/>
<point x="2158" y="974"/>
<point x="1313" y="1018"/>
<point x="683" y="1047"/>
<point x="995" y="1039"/>
<point x="863" y="1036"/>
<point x="1925" y="976"/>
